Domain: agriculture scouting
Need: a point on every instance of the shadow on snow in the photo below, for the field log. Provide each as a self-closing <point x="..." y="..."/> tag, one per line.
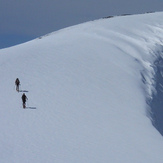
<point x="30" y="108"/>
<point x="23" y="91"/>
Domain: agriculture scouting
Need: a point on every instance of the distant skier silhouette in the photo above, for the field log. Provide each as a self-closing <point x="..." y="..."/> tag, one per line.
<point x="17" y="83"/>
<point x="24" y="99"/>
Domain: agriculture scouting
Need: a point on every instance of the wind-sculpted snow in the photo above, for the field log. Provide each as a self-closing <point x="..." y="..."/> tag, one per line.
<point x="87" y="89"/>
<point x="156" y="102"/>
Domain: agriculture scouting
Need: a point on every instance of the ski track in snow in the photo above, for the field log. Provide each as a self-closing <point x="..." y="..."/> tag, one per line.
<point x="86" y="97"/>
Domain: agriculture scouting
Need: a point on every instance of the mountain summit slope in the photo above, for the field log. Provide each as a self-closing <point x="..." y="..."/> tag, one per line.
<point x="86" y="94"/>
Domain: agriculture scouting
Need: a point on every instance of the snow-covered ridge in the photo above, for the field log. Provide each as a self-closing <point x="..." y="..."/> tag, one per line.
<point x="89" y="84"/>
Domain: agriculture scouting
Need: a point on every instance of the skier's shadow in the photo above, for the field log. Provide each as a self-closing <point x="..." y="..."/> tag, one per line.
<point x="30" y="107"/>
<point x="23" y="91"/>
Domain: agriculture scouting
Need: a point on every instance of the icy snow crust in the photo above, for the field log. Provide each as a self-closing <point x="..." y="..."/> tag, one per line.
<point x="87" y="88"/>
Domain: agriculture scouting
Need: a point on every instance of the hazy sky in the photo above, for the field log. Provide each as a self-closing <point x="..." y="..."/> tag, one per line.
<point x="22" y="20"/>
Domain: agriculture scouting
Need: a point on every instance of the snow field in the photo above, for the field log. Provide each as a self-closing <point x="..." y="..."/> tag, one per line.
<point x="86" y="85"/>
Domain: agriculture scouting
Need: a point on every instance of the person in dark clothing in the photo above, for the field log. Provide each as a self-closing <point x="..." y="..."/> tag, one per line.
<point x="17" y="83"/>
<point x="24" y="99"/>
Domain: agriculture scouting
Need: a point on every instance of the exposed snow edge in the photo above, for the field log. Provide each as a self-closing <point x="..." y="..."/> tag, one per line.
<point x="148" y="74"/>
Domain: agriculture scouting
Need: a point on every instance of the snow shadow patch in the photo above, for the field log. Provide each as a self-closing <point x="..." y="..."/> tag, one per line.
<point x="30" y="107"/>
<point x="156" y="104"/>
<point x="24" y="91"/>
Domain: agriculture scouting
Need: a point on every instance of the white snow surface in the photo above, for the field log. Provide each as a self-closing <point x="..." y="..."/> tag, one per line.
<point x="86" y="98"/>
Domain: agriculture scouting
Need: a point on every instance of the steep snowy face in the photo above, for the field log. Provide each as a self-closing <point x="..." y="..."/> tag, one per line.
<point x="87" y="88"/>
<point x="156" y="101"/>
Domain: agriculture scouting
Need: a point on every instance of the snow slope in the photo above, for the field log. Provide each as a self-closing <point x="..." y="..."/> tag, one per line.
<point x="87" y="88"/>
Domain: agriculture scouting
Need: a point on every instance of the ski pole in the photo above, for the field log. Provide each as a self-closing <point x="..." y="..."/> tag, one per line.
<point x="27" y="102"/>
<point x="20" y="87"/>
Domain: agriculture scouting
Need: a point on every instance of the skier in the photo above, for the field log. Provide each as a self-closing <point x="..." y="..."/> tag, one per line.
<point x="24" y="98"/>
<point x="17" y="83"/>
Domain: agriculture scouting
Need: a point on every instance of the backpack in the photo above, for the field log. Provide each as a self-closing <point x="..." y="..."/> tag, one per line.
<point x="24" y="98"/>
<point x="17" y="82"/>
